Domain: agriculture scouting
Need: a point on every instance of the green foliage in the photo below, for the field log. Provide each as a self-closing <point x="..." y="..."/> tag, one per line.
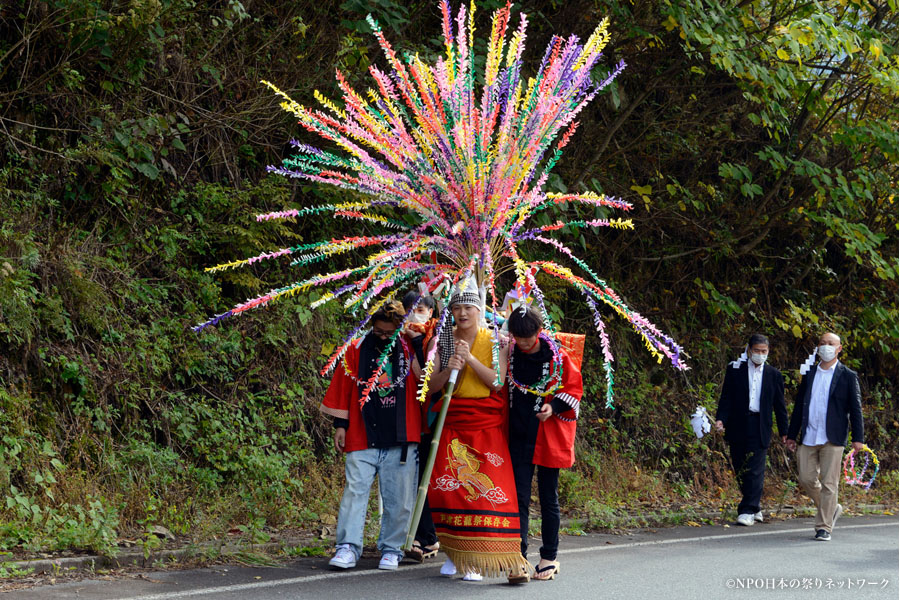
<point x="254" y="531"/>
<point x="390" y="15"/>
<point x="312" y="550"/>
<point x="13" y="571"/>
<point x="717" y="303"/>
<point x="757" y="141"/>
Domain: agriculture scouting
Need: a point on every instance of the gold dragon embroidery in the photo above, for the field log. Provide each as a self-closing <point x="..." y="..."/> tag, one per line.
<point x="462" y="460"/>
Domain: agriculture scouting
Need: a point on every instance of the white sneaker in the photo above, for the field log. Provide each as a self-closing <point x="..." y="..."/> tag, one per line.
<point x="838" y="511"/>
<point x="343" y="558"/>
<point x="389" y="562"/>
<point x="758" y="517"/>
<point x="448" y="569"/>
<point x="472" y="576"/>
<point x="747" y="520"/>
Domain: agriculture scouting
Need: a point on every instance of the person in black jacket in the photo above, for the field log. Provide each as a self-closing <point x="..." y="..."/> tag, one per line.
<point x="751" y="392"/>
<point x="828" y="404"/>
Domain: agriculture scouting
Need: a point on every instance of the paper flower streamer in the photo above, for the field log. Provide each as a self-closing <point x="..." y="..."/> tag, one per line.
<point x="700" y="422"/>
<point x="455" y="172"/>
<point x="808" y="363"/>
<point x="854" y="473"/>
<point x="736" y="364"/>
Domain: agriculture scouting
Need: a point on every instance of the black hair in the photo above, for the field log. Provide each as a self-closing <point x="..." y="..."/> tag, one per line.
<point x="412" y="295"/>
<point x="525" y="325"/>
<point x="390" y="312"/>
<point x="757" y="338"/>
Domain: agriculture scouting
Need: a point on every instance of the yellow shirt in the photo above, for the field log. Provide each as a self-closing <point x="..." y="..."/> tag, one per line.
<point x="469" y="384"/>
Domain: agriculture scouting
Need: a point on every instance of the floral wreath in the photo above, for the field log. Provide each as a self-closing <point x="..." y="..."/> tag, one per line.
<point x="541" y="387"/>
<point x="372" y="383"/>
<point x="854" y="475"/>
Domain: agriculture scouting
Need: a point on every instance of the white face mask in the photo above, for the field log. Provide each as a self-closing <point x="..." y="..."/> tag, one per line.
<point x="826" y="353"/>
<point x="758" y="359"/>
<point x="417" y="318"/>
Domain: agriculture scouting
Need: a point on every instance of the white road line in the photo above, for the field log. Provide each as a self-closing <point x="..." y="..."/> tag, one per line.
<point x="240" y="587"/>
<point x="259" y="585"/>
<point x="704" y="538"/>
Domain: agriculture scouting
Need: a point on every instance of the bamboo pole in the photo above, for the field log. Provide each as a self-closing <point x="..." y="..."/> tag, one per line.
<point x="429" y="464"/>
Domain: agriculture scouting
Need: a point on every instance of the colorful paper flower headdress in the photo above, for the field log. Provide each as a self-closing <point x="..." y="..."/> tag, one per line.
<point x="454" y="171"/>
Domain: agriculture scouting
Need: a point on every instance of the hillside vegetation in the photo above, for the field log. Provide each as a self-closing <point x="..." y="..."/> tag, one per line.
<point x="757" y="140"/>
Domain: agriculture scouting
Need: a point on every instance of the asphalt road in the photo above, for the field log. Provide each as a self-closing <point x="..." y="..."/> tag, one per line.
<point x="778" y="560"/>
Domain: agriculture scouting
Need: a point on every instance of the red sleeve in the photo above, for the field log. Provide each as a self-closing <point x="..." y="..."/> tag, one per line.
<point x="555" y="444"/>
<point x="571" y="391"/>
<point x="342" y="388"/>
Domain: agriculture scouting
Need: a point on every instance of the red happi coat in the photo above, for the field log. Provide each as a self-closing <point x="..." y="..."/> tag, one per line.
<point x="555" y="445"/>
<point x="342" y="401"/>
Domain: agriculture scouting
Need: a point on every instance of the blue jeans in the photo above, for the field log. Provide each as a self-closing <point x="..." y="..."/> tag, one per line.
<point x="397" y="483"/>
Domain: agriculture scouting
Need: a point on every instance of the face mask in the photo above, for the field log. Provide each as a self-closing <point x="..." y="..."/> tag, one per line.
<point x="826" y="353"/>
<point x="758" y="359"/>
<point x="379" y="343"/>
<point x="417" y="318"/>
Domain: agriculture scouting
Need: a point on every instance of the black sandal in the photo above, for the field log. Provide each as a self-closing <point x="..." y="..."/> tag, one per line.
<point x="419" y="553"/>
<point x="430" y="551"/>
<point x="416" y="553"/>
<point x="544" y="575"/>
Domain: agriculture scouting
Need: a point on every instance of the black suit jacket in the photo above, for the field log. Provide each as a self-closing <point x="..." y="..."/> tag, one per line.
<point x="844" y="410"/>
<point x="734" y="404"/>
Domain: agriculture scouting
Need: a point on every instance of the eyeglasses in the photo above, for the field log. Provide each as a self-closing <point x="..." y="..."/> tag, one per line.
<point x="382" y="333"/>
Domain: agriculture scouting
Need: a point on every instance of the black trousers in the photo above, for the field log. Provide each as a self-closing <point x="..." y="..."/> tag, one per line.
<point x="748" y="459"/>
<point x="425" y="532"/>
<point x="548" y="493"/>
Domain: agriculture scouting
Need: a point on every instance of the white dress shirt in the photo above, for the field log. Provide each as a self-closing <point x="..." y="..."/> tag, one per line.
<point x="815" y="434"/>
<point x="754" y="375"/>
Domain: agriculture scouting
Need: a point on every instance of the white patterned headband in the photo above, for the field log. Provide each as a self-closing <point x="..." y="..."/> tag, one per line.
<point x="470" y="298"/>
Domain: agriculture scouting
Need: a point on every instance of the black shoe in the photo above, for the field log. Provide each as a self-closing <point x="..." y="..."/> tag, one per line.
<point x="822" y="535"/>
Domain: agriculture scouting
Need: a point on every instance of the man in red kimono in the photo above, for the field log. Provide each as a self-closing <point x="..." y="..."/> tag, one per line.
<point x="545" y="390"/>
<point x="379" y="437"/>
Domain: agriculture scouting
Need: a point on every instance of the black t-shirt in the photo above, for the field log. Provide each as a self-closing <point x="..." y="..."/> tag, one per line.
<point x="528" y="369"/>
<point x="381" y="419"/>
<point x="382" y="416"/>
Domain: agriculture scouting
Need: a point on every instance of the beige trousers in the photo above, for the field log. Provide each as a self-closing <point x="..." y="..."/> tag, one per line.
<point x="819" y="472"/>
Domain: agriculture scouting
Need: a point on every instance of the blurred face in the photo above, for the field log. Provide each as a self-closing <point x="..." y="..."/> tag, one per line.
<point x="422" y="313"/>
<point x="759" y="353"/>
<point x="465" y="315"/>
<point x="830" y="339"/>
<point x="760" y="349"/>
<point x="383" y="330"/>
<point x="528" y="345"/>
